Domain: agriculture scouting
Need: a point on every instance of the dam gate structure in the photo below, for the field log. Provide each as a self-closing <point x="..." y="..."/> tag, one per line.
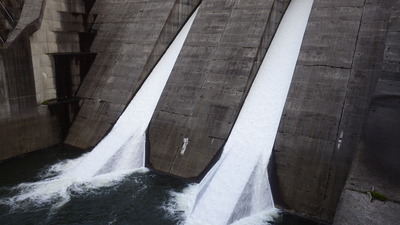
<point x="69" y="68"/>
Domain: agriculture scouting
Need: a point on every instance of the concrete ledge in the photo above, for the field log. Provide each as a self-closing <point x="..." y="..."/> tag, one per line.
<point x="357" y="209"/>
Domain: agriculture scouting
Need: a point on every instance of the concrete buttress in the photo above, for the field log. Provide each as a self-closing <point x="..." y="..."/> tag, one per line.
<point x="131" y="37"/>
<point x="328" y="102"/>
<point x="209" y="83"/>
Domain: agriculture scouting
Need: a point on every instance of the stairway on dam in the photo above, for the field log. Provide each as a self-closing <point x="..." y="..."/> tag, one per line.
<point x="61" y="56"/>
<point x="59" y="38"/>
<point x="45" y="32"/>
<point x="9" y="16"/>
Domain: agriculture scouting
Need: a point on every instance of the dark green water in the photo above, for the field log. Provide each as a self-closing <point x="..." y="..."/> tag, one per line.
<point x="141" y="198"/>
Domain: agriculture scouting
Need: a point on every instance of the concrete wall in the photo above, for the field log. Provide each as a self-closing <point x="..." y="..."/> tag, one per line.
<point x="132" y="35"/>
<point x="329" y="98"/>
<point x="376" y="164"/>
<point x="24" y="126"/>
<point x="59" y="32"/>
<point x="209" y="82"/>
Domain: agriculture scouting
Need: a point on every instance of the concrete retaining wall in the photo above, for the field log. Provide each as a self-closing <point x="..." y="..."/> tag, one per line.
<point x="24" y="126"/>
<point x="336" y="74"/>
<point x="376" y="165"/>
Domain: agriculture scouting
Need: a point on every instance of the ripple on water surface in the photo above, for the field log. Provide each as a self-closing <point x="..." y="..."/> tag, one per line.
<point x="140" y="197"/>
<point x="136" y="198"/>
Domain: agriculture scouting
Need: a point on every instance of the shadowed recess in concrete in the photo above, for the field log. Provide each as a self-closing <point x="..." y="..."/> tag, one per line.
<point x="24" y="126"/>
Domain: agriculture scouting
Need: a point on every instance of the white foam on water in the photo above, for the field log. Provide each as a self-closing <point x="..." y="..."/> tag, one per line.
<point x="237" y="187"/>
<point x="119" y="154"/>
<point x="263" y="217"/>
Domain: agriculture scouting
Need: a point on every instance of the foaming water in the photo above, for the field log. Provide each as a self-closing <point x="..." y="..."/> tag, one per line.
<point x="236" y="190"/>
<point x="183" y="201"/>
<point x="119" y="154"/>
<point x="136" y="199"/>
<point x="57" y="189"/>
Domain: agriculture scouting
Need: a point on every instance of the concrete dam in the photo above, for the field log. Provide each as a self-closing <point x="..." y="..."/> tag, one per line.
<point x="69" y="69"/>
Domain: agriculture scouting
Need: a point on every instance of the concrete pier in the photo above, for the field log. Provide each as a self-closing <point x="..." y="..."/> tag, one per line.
<point x="131" y="37"/>
<point x="336" y="74"/>
<point x="376" y="164"/>
<point x="209" y="82"/>
<point x="24" y="126"/>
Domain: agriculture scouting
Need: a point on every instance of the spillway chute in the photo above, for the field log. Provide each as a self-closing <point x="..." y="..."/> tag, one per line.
<point x="238" y="187"/>
<point x="121" y="152"/>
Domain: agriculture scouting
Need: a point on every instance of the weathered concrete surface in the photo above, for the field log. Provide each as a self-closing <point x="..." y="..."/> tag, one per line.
<point x="62" y="21"/>
<point x="376" y="166"/>
<point x="377" y="161"/>
<point x="328" y="102"/>
<point x="31" y="17"/>
<point x="132" y="35"/>
<point x="359" y="210"/>
<point x="209" y="82"/>
<point x="24" y="126"/>
<point x="10" y="11"/>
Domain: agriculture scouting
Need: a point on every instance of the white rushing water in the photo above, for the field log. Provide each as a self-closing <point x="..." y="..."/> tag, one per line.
<point x="120" y="153"/>
<point x="237" y="186"/>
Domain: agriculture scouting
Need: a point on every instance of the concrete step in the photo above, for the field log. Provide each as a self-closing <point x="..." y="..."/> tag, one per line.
<point x="71" y="41"/>
<point x="71" y="6"/>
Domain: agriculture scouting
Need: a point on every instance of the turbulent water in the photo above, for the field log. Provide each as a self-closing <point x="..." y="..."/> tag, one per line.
<point x="141" y="198"/>
<point x="123" y="148"/>
<point x="138" y="198"/>
<point x="119" y="154"/>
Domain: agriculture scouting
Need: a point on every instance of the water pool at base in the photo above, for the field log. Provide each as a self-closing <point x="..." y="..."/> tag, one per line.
<point x="139" y="199"/>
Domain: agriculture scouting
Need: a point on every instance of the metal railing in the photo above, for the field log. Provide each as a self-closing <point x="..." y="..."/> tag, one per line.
<point x="2" y="41"/>
<point x="7" y="14"/>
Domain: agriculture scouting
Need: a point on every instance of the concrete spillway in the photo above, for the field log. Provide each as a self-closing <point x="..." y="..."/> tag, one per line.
<point x="237" y="186"/>
<point x="132" y="37"/>
<point x="123" y="148"/>
<point x="122" y="151"/>
<point x="209" y="83"/>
